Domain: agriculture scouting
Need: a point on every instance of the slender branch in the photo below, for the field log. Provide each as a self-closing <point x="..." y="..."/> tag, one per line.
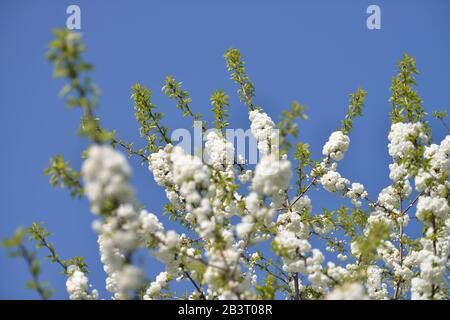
<point x="129" y="149"/>
<point x="293" y="202"/>
<point x="399" y="281"/>
<point x="297" y="290"/>
<point x="444" y="124"/>
<point x="197" y="287"/>
<point x="413" y="202"/>
<point x="29" y="260"/>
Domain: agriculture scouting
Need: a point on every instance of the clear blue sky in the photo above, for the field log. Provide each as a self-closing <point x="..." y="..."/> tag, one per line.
<point x="316" y="52"/>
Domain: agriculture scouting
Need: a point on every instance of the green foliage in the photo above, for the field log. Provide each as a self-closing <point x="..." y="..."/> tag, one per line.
<point x="219" y="101"/>
<point x="62" y="174"/>
<point x="355" y="107"/>
<point x="309" y="293"/>
<point x="441" y="115"/>
<point x="288" y="126"/>
<point x="268" y="289"/>
<point x="351" y="223"/>
<point x="16" y="248"/>
<point x="148" y="119"/>
<point x="303" y="156"/>
<point x="129" y="147"/>
<point x="173" y="90"/>
<point x="235" y="65"/>
<point x="66" y="55"/>
<point x="406" y="103"/>
<point x="368" y="243"/>
<point x="39" y="234"/>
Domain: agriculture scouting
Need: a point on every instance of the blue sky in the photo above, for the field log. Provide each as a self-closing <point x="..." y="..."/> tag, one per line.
<point x="316" y="52"/>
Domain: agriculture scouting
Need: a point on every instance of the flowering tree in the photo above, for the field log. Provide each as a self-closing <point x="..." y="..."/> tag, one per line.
<point x="229" y="208"/>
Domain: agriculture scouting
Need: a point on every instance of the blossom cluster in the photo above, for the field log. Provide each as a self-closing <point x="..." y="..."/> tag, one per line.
<point x="230" y="212"/>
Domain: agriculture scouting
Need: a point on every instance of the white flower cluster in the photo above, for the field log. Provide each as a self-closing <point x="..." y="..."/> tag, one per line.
<point x="245" y="175"/>
<point x="437" y="207"/>
<point x="378" y="217"/>
<point x="402" y="137"/>
<point x="106" y="173"/>
<point x="292" y="220"/>
<point x="225" y="264"/>
<point x="336" y="146"/>
<point x="402" y="269"/>
<point x="220" y="152"/>
<point x="272" y="176"/>
<point x="170" y="244"/>
<point x="256" y="212"/>
<point x="77" y="285"/>
<point x="156" y="286"/>
<point x="191" y="175"/>
<point x="389" y="197"/>
<point x="264" y="130"/>
<point x="349" y="291"/>
<point x="332" y="181"/>
<point x="431" y="282"/>
<point x="122" y="277"/>
<point x="290" y="246"/>
<point x="160" y="166"/>
<point x="439" y="163"/>
<point x="356" y="192"/>
<point x="376" y="289"/>
<point x="398" y="172"/>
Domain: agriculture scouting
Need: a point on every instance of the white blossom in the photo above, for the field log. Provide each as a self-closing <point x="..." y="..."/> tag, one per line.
<point x="349" y="291"/>
<point x="77" y="285"/>
<point x="263" y="129"/>
<point x="336" y="146"/>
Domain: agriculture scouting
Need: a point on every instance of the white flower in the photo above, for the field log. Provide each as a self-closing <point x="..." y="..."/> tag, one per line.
<point x="433" y="271"/>
<point x="126" y="211"/>
<point x="336" y="146"/>
<point x="332" y="181"/>
<point x="356" y="192"/>
<point x="303" y="205"/>
<point x="376" y="289"/>
<point x="401" y="138"/>
<point x="127" y="279"/>
<point x="160" y="166"/>
<point x="271" y="176"/>
<point x="438" y="207"/>
<point x="245" y="227"/>
<point x="150" y="223"/>
<point x="348" y="291"/>
<point x="398" y="172"/>
<point x="106" y="173"/>
<point x="245" y="176"/>
<point x="154" y="289"/>
<point x="220" y="151"/>
<point x="171" y="239"/>
<point x="77" y="285"/>
<point x="263" y="129"/>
